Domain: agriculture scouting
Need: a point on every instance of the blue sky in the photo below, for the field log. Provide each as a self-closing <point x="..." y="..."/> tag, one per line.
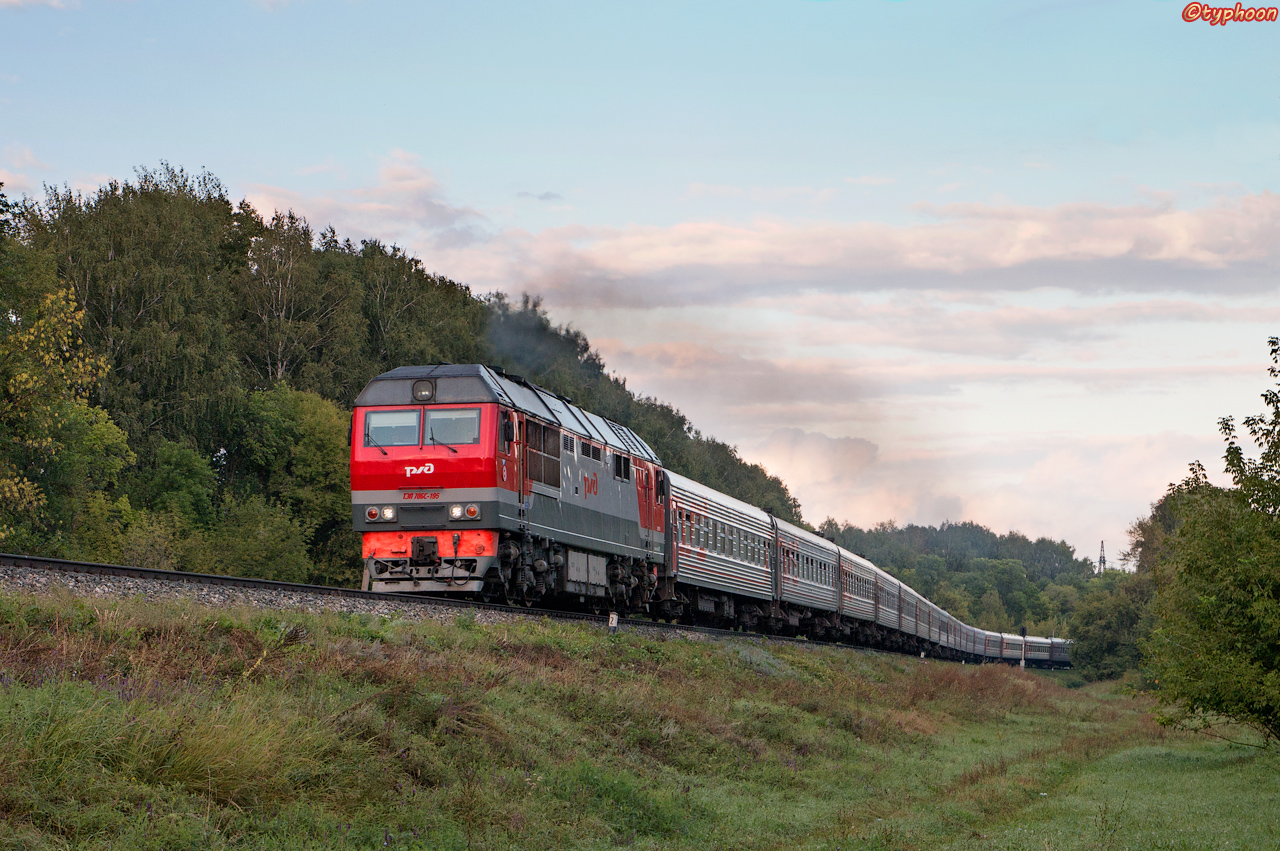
<point x="1002" y="261"/>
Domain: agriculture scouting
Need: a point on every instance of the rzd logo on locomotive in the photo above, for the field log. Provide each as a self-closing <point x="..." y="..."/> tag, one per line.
<point x="591" y="484"/>
<point x="425" y="468"/>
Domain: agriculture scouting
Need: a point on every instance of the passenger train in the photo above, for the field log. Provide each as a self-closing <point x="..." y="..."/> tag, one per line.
<point x="468" y="481"/>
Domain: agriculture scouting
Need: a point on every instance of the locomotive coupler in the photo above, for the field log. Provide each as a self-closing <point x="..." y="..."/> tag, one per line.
<point x="424" y="552"/>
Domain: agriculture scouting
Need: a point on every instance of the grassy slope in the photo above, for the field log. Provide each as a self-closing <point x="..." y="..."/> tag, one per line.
<point x="138" y="725"/>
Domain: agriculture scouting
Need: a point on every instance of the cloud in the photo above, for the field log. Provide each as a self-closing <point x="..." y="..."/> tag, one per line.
<point x="406" y="204"/>
<point x="1081" y="489"/>
<point x="541" y="196"/>
<point x="16" y="183"/>
<point x="20" y="156"/>
<point x="53" y="4"/>
<point x="1153" y="246"/>
<point x="870" y="180"/>
<point x="816" y="458"/>
<point x="1081" y="247"/>
<point x="926" y="321"/>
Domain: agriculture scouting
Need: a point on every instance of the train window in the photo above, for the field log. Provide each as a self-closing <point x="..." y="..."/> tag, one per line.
<point x="542" y="454"/>
<point x="452" y="426"/>
<point x="392" y="428"/>
<point x="622" y="467"/>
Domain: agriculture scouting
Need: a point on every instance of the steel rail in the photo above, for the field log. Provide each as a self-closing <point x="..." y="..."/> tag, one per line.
<point x="175" y="576"/>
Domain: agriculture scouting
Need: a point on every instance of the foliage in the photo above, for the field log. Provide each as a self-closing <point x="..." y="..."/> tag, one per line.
<point x="252" y="537"/>
<point x="294" y="450"/>
<point x="1215" y="651"/>
<point x="1110" y="622"/>
<point x="46" y="377"/>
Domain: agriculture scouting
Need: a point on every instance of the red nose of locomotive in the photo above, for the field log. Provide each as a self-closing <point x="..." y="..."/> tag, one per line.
<point x="425" y="483"/>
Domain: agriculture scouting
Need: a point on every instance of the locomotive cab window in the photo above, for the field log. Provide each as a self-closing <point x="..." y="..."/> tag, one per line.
<point x="451" y="426"/>
<point x="391" y="428"/>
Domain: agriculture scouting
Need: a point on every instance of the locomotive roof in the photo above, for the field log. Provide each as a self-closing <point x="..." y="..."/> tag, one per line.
<point x="458" y="383"/>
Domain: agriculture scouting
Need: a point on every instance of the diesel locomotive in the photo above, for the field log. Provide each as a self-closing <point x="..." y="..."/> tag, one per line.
<point x="468" y="481"/>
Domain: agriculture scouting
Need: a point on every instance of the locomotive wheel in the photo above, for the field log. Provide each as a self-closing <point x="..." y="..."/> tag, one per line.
<point x="525" y="597"/>
<point x="493" y="592"/>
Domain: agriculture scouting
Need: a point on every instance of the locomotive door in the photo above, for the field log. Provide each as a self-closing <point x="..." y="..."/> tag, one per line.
<point x="644" y="495"/>
<point x="510" y="466"/>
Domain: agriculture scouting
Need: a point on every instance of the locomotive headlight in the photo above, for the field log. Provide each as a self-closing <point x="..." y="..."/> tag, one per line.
<point x="455" y="512"/>
<point x="473" y="512"/>
<point x="388" y="512"/>
<point x="371" y="513"/>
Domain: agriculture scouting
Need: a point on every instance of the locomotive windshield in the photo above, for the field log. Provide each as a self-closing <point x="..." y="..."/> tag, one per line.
<point x="452" y="426"/>
<point x="391" y="428"/>
<point x="417" y="427"/>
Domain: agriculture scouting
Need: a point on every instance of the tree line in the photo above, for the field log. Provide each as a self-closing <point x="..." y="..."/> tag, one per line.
<point x="998" y="582"/>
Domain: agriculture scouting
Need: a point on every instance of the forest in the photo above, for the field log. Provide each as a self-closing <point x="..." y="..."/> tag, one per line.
<point x="179" y="371"/>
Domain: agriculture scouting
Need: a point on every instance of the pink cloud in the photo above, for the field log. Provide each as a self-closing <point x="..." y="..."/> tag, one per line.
<point x="1009" y="484"/>
<point x="406" y="205"/>
<point x="16" y="183"/>
<point x="970" y="247"/>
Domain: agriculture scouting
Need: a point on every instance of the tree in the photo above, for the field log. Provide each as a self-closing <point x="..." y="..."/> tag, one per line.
<point x="1108" y="625"/>
<point x="293" y="446"/>
<point x="43" y="371"/>
<point x="147" y="262"/>
<point x="298" y="306"/>
<point x="1215" y="651"/>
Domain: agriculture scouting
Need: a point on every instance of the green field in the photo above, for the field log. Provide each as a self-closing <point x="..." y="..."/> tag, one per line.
<point x="142" y="725"/>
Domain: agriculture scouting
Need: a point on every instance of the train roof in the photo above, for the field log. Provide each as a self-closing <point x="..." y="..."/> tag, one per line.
<point x="460" y="383"/>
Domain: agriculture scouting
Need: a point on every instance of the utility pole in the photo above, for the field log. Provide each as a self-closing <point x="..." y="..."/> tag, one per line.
<point x="1102" y="558"/>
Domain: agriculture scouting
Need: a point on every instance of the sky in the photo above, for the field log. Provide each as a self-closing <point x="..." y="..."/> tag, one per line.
<point x="1006" y="262"/>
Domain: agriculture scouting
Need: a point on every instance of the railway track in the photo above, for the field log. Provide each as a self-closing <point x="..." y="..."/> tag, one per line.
<point x="209" y="579"/>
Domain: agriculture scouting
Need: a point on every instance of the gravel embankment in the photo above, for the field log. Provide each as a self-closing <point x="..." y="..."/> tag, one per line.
<point x="25" y="580"/>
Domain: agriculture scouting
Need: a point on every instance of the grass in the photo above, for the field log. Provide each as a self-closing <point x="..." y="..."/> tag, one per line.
<point x="142" y="725"/>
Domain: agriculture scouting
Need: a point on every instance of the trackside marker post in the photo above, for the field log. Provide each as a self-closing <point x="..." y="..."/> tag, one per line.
<point x="613" y="622"/>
